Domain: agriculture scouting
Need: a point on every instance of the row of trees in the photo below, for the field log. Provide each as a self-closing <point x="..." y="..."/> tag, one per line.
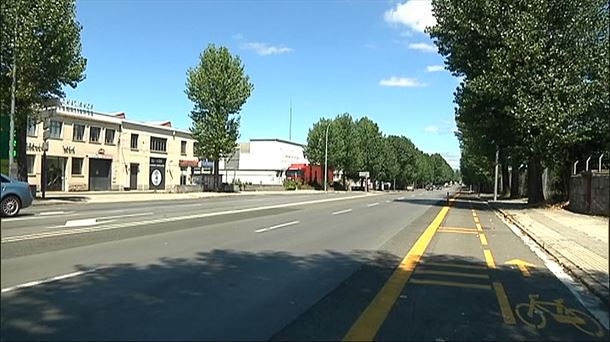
<point x="535" y="87"/>
<point x="359" y="145"/>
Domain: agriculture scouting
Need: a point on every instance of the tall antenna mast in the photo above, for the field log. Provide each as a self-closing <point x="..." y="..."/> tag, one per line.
<point x="290" y="128"/>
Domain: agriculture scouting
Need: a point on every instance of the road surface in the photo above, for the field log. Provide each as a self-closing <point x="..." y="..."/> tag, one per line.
<point x="386" y="266"/>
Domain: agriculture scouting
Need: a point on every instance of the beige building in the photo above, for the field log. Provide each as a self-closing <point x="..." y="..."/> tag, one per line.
<point x="90" y="151"/>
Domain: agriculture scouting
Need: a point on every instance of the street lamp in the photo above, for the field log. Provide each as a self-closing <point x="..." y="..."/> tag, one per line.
<point x="326" y="156"/>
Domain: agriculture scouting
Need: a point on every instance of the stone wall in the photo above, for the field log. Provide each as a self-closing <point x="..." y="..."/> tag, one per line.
<point x="590" y="193"/>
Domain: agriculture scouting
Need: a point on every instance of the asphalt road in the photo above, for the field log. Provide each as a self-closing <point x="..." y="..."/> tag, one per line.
<point x="272" y="267"/>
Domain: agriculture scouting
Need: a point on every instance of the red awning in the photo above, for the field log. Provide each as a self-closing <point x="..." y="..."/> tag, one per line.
<point x="186" y="163"/>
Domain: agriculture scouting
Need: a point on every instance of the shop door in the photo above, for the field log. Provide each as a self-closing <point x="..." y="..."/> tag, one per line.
<point x="133" y="176"/>
<point x="56" y="173"/>
<point x="99" y="174"/>
<point x="157" y="174"/>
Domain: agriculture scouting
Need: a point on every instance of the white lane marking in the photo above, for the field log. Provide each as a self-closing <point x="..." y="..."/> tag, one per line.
<point x="262" y="230"/>
<point x="400" y="198"/>
<point x="48" y="280"/>
<point x="52" y="213"/>
<point x="412" y="195"/>
<point x="387" y="201"/>
<point x="342" y="211"/>
<point x="121" y="216"/>
<point x="37" y="217"/>
<point x="170" y="219"/>
<point x="372" y="204"/>
<point x="80" y="223"/>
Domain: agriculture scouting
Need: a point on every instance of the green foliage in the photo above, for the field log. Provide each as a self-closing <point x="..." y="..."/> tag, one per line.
<point x="218" y="87"/>
<point x="290" y="184"/>
<point x="360" y="145"/>
<point x="40" y="41"/>
<point x="536" y="81"/>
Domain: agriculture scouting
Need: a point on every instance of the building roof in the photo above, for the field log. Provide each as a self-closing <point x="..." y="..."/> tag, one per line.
<point x="279" y="140"/>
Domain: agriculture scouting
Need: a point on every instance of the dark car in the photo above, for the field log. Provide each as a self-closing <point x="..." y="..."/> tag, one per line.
<point x="14" y="196"/>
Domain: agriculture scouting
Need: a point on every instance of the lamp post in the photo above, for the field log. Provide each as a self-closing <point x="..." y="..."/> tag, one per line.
<point x="326" y="156"/>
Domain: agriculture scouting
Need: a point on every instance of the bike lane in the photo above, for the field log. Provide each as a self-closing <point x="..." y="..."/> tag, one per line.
<point x="472" y="278"/>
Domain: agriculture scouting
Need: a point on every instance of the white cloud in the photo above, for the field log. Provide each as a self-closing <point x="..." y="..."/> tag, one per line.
<point x="431" y="129"/>
<point x="265" y="49"/>
<point x="370" y="46"/>
<point x="238" y="36"/>
<point x="401" y="82"/>
<point x="416" y="14"/>
<point x="434" y="68"/>
<point x="422" y="47"/>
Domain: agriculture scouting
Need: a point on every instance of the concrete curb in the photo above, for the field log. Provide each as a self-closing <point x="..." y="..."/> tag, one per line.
<point x="574" y="270"/>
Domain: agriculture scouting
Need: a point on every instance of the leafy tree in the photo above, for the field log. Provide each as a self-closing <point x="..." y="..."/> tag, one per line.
<point x="218" y="87"/>
<point x="40" y="44"/>
<point x="370" y="141"/>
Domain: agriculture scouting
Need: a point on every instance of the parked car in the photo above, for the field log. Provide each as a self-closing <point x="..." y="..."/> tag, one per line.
<point x="14" y="196"/>
<point x="410" y="188"/>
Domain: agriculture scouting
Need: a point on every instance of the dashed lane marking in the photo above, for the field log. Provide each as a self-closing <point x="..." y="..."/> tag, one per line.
<point x="342" y="212"/>
<point x="262" y="230"/>
<point x="48" y="280"/>
<point x="373" y="204"/>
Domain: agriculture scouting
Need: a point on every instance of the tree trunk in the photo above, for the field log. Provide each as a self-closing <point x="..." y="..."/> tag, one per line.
<point x="514" y="181"/>
<point x="505" y="177"/>
<point x="534" y="181"/>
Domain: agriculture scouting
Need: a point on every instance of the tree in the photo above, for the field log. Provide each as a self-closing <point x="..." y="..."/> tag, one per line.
<point x="370" y="141"/>
<point x="218" y="87"/>
<point x="40" y="47"/>
<point x="535" y="74"/>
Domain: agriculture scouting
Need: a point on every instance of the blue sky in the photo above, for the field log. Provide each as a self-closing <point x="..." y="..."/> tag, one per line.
<point x="363" y="57"/>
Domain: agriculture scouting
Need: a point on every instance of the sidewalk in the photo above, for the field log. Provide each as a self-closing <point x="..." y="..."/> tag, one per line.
<point x="136" y="196"/>
<point x="578" y="242"/>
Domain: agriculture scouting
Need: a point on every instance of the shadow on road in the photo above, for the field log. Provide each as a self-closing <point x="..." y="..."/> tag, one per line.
<point x="231" y="295"/>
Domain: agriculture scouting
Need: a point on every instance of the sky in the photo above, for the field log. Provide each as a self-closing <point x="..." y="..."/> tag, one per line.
<point x="367" y="58"/>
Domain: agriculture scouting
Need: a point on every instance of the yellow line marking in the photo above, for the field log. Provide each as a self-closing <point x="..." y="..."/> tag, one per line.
<point x="455" y="274"/>
<point x="479" y="228"/>
<point x="474" y="267"/>
<point x="367" y="325"/>
<point x="476" y="220"/>
<point x="474" y="213"/>
<point x="483" y="239"/>
<point x="507" y="312"/>
<point x="443" y="230"/>
<point x="489" y="259"/>
<point x="450" y="283"/>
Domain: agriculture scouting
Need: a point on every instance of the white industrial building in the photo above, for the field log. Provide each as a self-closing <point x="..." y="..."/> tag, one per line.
<point x="261" y="161"/>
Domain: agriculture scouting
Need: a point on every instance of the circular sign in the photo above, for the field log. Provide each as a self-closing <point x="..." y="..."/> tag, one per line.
<point x="156" y="177"/>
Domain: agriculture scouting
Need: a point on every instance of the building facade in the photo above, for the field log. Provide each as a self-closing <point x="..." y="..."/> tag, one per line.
<point x="92" y="151"/>
<point x="262" y="161"/>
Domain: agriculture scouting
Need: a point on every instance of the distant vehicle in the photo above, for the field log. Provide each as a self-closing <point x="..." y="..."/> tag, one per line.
<point x="14" y="196"/>
<point x="307" y="173"/>
<point x="410" y="188"/>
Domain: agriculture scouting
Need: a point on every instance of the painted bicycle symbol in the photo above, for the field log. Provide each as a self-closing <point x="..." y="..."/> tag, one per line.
<point x="534" y="314"/>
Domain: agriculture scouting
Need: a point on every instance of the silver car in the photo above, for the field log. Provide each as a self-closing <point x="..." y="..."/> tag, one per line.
<point x="14" y="196"/>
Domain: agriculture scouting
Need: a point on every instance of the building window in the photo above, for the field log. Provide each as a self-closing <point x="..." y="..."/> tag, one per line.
<point x="158" y="144"/>
<point x="134" y="141"/>
<point x="94" y="134"/>
<point x="32" y="128"/>
<point x="55" y="129"/>
<point x="31" y="161"/>
<point x="79" y="132"/>
<point x="77" y="166"/>
<point x="109" y="137"/>
<point x="183" y="148"/>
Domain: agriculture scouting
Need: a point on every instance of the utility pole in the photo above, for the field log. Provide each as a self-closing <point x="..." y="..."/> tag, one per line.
<point x="290" y="127"/>
<point x="496" y="176"/>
